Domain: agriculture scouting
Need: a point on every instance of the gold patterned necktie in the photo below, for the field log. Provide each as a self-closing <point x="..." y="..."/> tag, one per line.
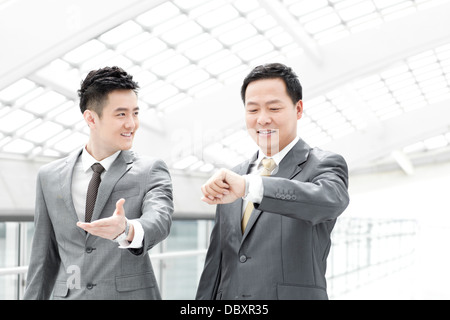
<point x="93" y="190"/>
<point x="269" y="165"/>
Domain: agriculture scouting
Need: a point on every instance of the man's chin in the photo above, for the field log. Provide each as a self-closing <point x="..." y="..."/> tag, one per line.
<point x="270" y="149"/>
<point x="125" y="147"/>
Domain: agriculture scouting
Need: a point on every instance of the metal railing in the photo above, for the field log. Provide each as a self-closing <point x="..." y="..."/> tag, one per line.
<point x="363" y="250"/>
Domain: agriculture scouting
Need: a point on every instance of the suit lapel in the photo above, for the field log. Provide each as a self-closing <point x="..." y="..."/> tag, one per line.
<point x="288" y="168"/>
<point x="65" y="178"/>
<point x="255" y="213"/>
<point x="291" y="164"/>
<point x="120" y="166"/>
<point x="236" y="206"/>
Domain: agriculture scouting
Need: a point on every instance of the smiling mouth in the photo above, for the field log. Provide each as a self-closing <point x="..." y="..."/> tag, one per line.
<point x="266" y="132"/>
<point x="127" y="135"/>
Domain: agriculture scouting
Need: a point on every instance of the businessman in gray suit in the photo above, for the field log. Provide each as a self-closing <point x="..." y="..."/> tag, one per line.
<point x="103" y="254"/>
<point x="274" y="218"/>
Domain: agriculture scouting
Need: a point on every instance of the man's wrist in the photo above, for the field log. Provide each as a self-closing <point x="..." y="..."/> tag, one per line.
<point x="246" y="186"/>
<point x="124" y="234"/>
<point x="255" y="188"/>
<point x="130" y="235"/>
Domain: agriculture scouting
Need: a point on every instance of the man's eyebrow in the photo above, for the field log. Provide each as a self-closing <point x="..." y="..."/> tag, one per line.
<point x="274" y="101"/>
<point x="124" y="109"/>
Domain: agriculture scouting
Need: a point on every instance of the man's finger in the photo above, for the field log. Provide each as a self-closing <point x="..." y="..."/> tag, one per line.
<point x="205" y="192"/>
<point x="211" y="201"/>
<point x="222" y="184"/>
<point x="82" y="225"/>
<point x="119" y="207"/>
<point x="213" y="191"/>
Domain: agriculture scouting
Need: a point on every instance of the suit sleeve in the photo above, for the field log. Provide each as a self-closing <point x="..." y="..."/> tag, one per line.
<point x="209" y="280"/>
<point x="322" y="196"/>
<point x="45" y="260"/>
<point x="157" y="207"/>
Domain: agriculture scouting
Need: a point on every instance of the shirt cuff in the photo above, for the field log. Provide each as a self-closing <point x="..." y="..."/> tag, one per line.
<point x="138" y="237"/>
<point x="255" y="188"/>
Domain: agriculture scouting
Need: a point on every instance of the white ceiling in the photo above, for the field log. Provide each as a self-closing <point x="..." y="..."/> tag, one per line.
<point x="375" y="73"/>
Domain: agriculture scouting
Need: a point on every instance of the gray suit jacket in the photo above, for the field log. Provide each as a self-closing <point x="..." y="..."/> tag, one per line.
<point x="282" y="253"/>
<point x="72" y="264"/>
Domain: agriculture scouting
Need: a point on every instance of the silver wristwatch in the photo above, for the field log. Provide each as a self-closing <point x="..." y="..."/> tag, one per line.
<point x="124" y="235"/>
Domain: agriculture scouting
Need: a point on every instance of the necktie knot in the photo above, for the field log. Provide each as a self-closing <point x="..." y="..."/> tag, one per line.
<point x="97" y="167"/>
<point x="269" y="165"/>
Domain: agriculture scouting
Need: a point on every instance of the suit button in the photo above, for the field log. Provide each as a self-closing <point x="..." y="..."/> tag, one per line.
<point x="90" y="286"/>
<point x="243" y="258"/>
<point x="89" y="249"/>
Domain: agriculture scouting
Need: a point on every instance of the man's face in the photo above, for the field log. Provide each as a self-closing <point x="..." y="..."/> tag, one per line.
<point x="270" y="115"/>
<point x="116" y="128"/>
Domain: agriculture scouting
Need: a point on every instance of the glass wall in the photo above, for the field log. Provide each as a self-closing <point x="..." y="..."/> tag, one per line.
<point x="182" y="262"/>
<point x="363" y="251"/>
<point x="15" y="244"/>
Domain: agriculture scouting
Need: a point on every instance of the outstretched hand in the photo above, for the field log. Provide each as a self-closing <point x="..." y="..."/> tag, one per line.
<point x="108" y="228"/>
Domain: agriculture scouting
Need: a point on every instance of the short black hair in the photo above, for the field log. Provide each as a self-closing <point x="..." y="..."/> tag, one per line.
<point x="99" y="83"/>
<point x="273" y="71"/>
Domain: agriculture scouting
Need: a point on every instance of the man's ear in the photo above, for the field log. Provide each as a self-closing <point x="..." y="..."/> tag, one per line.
<point x="90" y="117"/>
<point x="299" y="107"/>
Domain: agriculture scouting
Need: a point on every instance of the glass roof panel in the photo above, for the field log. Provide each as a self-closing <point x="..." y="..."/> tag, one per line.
<point x="170" y="63"/>
<point x="85" y="51"/>
<point x="70" y="141"/>
<point x="43" y="132"/>
<point x="218" y="16"/>
<point x="45" y="102"/>
<point x="14" y="120"/>
<point x="359" y="9"/>
<point x="184" y="49"/>
<point x="16" y="90"/>
<point x="146" y="48"/>
<point x="158" y="15"/>
<point x="69" y="117"/>
<point x="191" y="78"/>
<point x="328" y="21"/>
<point x="237" y="35"/>
<point x="187" y="30"/>
<point x="121" y="33"/>
<point x="19" y="146"/>
<point x="204" y="48"/>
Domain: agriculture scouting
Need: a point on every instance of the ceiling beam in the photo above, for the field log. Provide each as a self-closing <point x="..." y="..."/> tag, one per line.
<point x="403" y="161"/>
<point x="381" y="139"/>
<point x="30" y="42"/>
<point x="354" y="57"/>
<point x="285" y="19"/>
<point x="369" y="52"/>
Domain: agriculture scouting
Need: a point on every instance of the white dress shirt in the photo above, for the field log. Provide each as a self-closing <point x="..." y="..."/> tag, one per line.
<point x="82" y="174"/>
<point x="253" y="179"/>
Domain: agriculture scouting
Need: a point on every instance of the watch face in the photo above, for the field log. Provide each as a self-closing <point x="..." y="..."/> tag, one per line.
<point x="127" y="228"/>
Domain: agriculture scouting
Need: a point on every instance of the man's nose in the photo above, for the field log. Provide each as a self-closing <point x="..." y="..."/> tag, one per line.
<point x="264" y="118"/>
<point x="130" y="122"/>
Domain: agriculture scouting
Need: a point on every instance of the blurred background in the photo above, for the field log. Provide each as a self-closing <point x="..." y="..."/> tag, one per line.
<point x="376" y="82"/>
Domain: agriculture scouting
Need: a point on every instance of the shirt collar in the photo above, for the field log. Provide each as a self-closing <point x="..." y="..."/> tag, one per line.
<point x="279" y="156"/>
<point x="87" y="160"/>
